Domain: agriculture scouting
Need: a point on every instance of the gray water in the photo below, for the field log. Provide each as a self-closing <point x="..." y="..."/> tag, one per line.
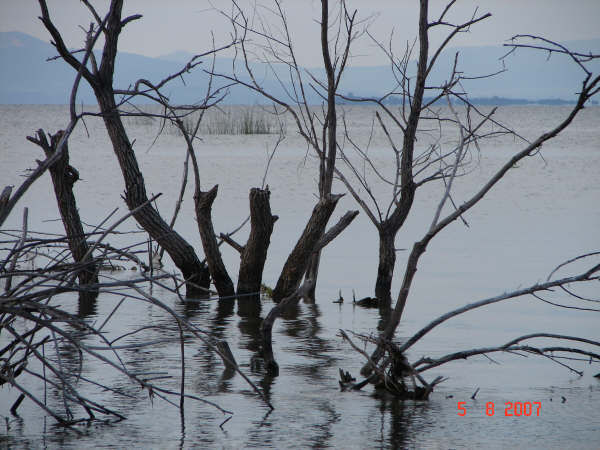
<point x="543" y="213"/>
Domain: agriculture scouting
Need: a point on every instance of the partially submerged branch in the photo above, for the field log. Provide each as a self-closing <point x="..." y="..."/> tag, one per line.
<point x="266" y="327"/>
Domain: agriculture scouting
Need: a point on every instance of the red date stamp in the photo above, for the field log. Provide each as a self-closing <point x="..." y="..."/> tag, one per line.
<point x="511" y="409"/>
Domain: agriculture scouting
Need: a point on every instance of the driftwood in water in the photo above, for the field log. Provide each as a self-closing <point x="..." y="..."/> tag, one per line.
<point x="392" y="375"/>
<point x="228" y="359"/>
<point x="35" y="347"/>
<point x="266" y="328"/>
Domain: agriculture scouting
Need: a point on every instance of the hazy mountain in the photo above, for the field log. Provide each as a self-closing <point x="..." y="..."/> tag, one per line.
<point x="27" y="77"/>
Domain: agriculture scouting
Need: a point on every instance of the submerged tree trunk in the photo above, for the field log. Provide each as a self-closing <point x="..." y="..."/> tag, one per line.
<point x="254" y="253"/>
<point x="266" y="328"/>
<point x="64" y="177"/>
<point x="100" y="77"/>
<point x="298" y="260"/>
<point x="203" y="202"/>
<point x="385" y="269"/>
<point x="312" y="273"/>
<point x="196" y="273"/>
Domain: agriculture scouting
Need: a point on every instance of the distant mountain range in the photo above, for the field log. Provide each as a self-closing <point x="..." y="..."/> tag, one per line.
<point x="26" y="77"/>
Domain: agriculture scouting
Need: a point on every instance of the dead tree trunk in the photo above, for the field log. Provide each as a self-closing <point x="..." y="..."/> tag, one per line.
<point x="385" y="269"/>
<point x="64" y="177"/>
<point x="181" y="252"/>
<point x="203" y="202"/>
<point x="100" y="78"/>
<point x="298" y="260"/>
<point x="320" y="132"/>
<point x="312" y="271"/>
<point x="254" y="253"/>
<point x="328" y="154"/>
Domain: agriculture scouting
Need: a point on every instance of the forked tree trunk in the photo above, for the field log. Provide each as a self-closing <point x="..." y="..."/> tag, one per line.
<point x="298" y="260"/>
<point x="254" y="254"/>
<point x="203" y="202"/>
<point x="312" y="271"/>
<point x="64" y="177"/>
<point x="196" y="273"/>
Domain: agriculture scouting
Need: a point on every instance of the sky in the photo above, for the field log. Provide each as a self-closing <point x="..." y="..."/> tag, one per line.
<point x="186" y="25"/>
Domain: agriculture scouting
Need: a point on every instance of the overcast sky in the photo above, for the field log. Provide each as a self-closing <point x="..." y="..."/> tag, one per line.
<point x="169" y="26"/>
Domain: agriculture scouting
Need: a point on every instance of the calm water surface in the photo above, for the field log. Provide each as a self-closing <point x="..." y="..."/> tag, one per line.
<point x="544" y="212"/>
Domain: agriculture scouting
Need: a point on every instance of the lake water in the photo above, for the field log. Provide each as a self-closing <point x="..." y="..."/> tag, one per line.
<point x="544" y="212"/>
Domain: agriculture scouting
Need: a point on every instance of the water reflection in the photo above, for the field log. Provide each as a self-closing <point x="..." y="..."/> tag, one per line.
<point x="193" y="308"/>
<point x="66" y="355"/>
<point x="404" y="423"/>
<point x="322" y="433"/>
<point x="399" y="422"/>
<point x="249" y="309"/>
<point x="87" y="304"/>
<point x="315" y="352"/>
<point x="225" y="309"/>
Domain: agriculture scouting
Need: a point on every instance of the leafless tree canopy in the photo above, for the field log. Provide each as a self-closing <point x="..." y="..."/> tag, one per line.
<point x="38" y="327"/>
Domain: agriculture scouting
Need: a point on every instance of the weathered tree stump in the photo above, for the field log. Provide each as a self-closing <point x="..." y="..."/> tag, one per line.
<point x="254" y="253"/>
<point x="203" y="203"/>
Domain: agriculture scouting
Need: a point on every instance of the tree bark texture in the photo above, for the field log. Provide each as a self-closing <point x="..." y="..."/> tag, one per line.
<point x="203" y="203"/>
<point x="196" y="273"/>
<point x="64" y="177"/>
<point x="312" y="273"/>
<point x="299" y="258"/>
<point x="385" y="269"/>
<point x="254" y="253"/>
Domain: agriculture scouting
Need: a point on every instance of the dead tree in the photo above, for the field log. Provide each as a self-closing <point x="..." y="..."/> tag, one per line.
<point x="414" y="166"/>
<point x="38" y="332"/>
<point x="203" y="205"/>
<point x="100" y="78"/>
<point x="8" y="201"/>
<point x="298" y="261"/>
<point x="391" y="367"/>
<point x="590" y="86"/>
<point x="319" y="130"/>
<point x="252" y="255"/>
<point x="64" y="177"/>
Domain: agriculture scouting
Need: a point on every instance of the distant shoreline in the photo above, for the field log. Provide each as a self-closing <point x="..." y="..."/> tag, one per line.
<point x="482" y="101"/>
<point x="490" y="101"/>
